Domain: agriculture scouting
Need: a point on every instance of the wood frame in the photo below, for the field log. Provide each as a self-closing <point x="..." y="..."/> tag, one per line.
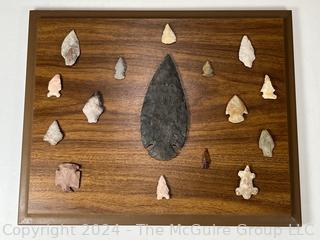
<point x="295" y="220"/>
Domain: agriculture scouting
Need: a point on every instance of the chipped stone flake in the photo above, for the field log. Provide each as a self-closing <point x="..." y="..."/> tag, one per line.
<point x="246" y="188"/>
<point x="94" y="107"/>
<point x="162" y="189"/>
<point x="246" y="52"/>
<point x="70" y="49"/>
<point x="53" y="134"/>
<point x="168" y="36"/>
<point x="54" y="86"/>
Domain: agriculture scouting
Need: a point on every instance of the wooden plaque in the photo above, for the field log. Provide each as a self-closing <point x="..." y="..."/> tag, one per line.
<point x="119" y="178"/>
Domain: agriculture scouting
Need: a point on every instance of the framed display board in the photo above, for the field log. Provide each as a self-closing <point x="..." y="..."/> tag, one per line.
<point x="118" y="177"/>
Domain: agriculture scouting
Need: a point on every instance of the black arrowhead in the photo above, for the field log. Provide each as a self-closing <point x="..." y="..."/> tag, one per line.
<point x="164" y="114"/>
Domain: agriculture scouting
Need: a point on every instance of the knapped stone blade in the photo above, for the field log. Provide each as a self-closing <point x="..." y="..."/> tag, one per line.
<point x="164" y="114"/>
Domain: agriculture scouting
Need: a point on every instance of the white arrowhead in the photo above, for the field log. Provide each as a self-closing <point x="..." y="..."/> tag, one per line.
<point x="168" y="36"/>
<point x="162" y="189"/>
<point x="246" y="52"/>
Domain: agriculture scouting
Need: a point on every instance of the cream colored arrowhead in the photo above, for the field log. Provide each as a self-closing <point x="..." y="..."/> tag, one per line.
<point x="267" y="89"/>
<point x="162" y="189"/>
<point x="168" y="36"/>
<point x="54" y="86"/>
<point x="53" y="134"/>
<point x="207" y="70"/>
<point x="246" y="188"/>
<point x="266" y="143"/>
<point x="94" y="107"/>
<point x="120" y="69"/>
<point x="235" y="109"/>
<point x="246" y="52"/>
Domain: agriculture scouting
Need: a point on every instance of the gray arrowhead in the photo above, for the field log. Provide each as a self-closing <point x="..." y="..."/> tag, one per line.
<point x="164" y="114"/>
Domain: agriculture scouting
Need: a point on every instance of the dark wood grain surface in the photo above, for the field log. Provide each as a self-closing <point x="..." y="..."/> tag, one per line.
<point x="118" y="177"/>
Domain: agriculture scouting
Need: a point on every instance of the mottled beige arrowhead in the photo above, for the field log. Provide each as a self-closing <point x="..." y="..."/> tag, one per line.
<point x="246" y="52"/>
<point x="267" y="89"/>
<point x="53" y="134"/>
<point x="235" y="109"/>
<point x="93" y="107"/>
<point x="120" y="69"/>
<point x="207" y="70"/>
<point x="266" y="143"/>
<point x="168" y="36"/>
<point x="246" y="188"/>
<point x="70" y="48"/>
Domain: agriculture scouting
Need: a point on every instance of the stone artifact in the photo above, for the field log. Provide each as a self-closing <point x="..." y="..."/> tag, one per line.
<point x="68" y="176"/>
<point x="207" y="70"/>
<point x="164" y="114"/>
<point x="162" y="189"/>
<point x="246" y="188"/>
<point x="53" y="134"/>
<point x="246" y="52"/>
<point x="120" y="69"/>
<point x="94" y="107"/>
<point x="235" y="109"/>
<point x="168" y="36"/>
<point x="206" y="160"/>
<point x="266" y="143"/>
<point x="267" y="89"/>
<point x="54" y="86"/>
<point x="70" y="48"/>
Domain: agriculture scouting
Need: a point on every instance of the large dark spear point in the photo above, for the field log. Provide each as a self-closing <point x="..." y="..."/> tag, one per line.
<point x="164" y="115"/>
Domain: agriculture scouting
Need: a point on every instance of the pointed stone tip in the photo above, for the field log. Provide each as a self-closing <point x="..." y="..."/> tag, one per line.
<point x="73" y="32"/>
<point x="235" y="97"/>
<point x="168" y="60"/>
<point x="162" y="179"/>
<point x="97" y="94"/>
<point x="168" y="56"/>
